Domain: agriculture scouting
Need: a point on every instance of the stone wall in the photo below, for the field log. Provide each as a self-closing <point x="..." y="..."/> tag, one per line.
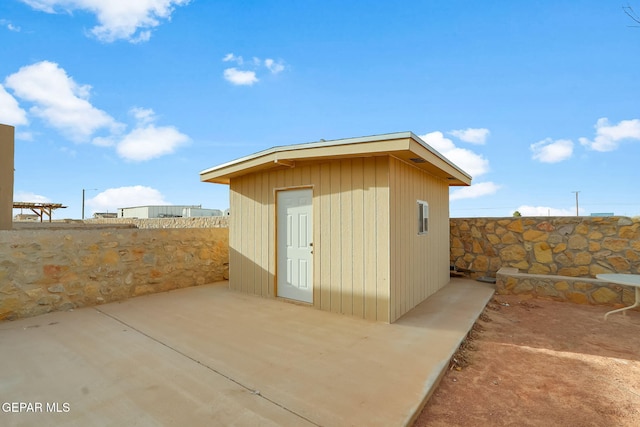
<point x="59" y="266"/>
<point x="579" y="290"/>
<point x="43" y="270"/>
<point x="565" y="246"/>
<point x="194" y="222"/>
<point x="552" y="257"/>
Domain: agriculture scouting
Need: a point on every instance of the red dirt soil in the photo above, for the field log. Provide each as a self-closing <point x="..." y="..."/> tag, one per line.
<point x="534" y="362"/>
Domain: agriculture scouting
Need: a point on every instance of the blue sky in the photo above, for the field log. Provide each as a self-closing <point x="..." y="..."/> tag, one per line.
<point x="131" y="100"/>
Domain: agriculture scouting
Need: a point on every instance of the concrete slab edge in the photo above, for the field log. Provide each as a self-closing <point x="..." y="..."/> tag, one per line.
<point x="433" y="381"/>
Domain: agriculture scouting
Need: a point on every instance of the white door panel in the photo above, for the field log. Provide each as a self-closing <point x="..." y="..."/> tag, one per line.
<point x="295" y="249"/>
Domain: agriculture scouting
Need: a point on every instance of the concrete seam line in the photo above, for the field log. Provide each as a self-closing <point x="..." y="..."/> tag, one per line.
<point x="252" y="391"/>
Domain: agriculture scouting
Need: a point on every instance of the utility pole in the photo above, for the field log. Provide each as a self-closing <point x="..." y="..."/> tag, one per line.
<point x="83" y="190"/>
<point x="577" y="214"/>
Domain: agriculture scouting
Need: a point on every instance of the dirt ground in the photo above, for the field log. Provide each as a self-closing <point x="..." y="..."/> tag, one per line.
<point x="533" y="362"/>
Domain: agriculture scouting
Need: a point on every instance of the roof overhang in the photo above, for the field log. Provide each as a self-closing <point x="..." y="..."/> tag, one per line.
<point x="403" y="145"/>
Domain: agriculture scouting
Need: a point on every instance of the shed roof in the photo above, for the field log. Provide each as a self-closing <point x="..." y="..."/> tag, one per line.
<point x="403" y="145"/>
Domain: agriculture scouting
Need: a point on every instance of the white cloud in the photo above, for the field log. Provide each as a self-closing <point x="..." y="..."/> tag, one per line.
<point x="130" y="20"/>
<point x="24" y="136"/>
<point x="472" y="163"/>
<point x="147" y="141"/>
<point x="230" y="57"/>
<point x="438" y="141"/>
<point x="112" y="199"/>
<point x="552" y="151"/>
<point x="10" y="111"/>
<point x="475" y="190"/>
<point x="526" y="210"/>
<point x="241" y="78"/>
<point x="59" y="100"/>
<point x="472" y="135"/>
<point x="608" y="136"/>
<point x="29" y="197"/>
<point x="273" y="66"/>
<point x="9" y="25"/>
<point x="150" y="142"/>
<point x="249" y="76"/>
<point x="143" y="115"/>
<point x="104" y="141"/>
<point x="64" y="105"/>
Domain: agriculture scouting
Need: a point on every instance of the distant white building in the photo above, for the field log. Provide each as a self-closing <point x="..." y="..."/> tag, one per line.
<point x="26" y="217"/>
<point x="105" y="215"/>
<point x="167" y="211"/>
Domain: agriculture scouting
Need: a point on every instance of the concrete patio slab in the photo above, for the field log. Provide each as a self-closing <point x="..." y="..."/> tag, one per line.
<point x="210" y="356"/>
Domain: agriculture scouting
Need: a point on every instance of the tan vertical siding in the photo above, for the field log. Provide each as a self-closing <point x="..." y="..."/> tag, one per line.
<point x="370" y="236"/>
<point x="322" y="234"/>
<point x="357" y="227"/>
<point x="382" y="239"/>
<point x="351" y="233"/>
<point x="335" y="238"/>
<point x="248" y="237"/>
<point x="256" y="229"/>
<point x="419" y="263"/>
<point x="266" y="230"/>
<point x="346" y="235"/>
<point x="235" y="246"/>
<point x="314" y="177"/>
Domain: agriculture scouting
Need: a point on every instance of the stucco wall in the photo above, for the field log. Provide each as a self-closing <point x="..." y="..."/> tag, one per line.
<point x="6" y="175"/>
<point x="43" y="270"/>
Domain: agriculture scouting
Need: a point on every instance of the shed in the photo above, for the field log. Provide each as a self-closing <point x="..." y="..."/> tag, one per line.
<point x="358" y="226"/>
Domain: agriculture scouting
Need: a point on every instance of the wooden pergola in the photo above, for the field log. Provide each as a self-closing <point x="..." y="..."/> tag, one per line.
<point x="40" y="209"/>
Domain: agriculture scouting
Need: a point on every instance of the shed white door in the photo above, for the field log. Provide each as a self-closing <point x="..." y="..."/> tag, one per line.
<point x="295" y="257"/>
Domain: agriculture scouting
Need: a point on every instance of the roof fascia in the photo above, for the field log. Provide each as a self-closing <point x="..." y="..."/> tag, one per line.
<point x="362" y="146"/>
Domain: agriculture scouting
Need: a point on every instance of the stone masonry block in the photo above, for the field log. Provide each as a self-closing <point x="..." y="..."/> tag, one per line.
<point x="619" y="264"/>
<point x="582" y="258"/>
<point x="615" y="244"/>
<point x="509" y="238"/>
<point x="605" y="295"/>
<point x="535" y="236"/>
<point x="542" y="252"/>
<point x="630" y="232"/>
<point x="560" y="247"/>
<point x="578" y="242"/>
<point x="493" y="239"/>
<point x="583" y="286"/>
<point x="547" y="290"/>
<point x="577" y="298"/>
<point x="562" y="285"/>
<point x="523" y="287"/>
<point x="513" y="253"/>
<point x="538" y="268"/>
<point x="516" y="226"/>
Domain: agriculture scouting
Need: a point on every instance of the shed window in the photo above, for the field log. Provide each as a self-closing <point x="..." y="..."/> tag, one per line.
<point x="423" y="217"/>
